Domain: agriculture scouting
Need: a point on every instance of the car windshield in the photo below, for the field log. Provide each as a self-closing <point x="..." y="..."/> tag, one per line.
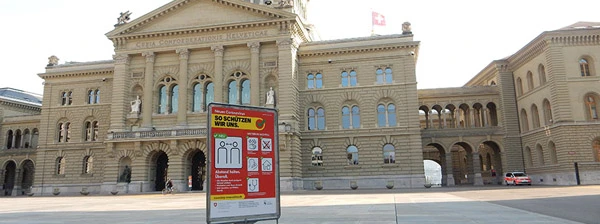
<point x="519" y="174"/>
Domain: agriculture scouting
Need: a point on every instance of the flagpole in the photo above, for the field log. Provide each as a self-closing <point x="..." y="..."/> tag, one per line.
<point x="372" y="26"/>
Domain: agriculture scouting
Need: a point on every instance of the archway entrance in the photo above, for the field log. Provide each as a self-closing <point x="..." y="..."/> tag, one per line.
<point x="9" y="177"/>
<point x="462" y="164"/>
<point x="433" y="172"/>
<point x="435" y="153"/>
<point x="162" y="165"/>
<point x="28" y="172"/>
<point x="491" y="163"/>
<point x="198" y="170"/>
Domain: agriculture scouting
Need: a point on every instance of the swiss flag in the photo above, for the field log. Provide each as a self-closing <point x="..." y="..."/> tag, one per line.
<point x="378" y="19"/>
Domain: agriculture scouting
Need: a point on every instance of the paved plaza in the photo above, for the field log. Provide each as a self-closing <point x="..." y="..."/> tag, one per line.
<point x="496" y="204"/>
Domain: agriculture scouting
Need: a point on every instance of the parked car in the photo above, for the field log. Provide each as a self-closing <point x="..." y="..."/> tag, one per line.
<point x="517" y="178"/>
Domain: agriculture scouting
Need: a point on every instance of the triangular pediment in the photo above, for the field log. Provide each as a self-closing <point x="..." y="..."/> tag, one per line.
<point x="197" y="14"/>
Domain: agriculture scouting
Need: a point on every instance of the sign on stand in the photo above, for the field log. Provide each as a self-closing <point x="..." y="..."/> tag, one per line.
<point x="243" y="164"/>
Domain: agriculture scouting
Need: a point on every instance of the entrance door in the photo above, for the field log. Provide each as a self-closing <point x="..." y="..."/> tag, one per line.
<point x="198" y="171"/>
<point x="9" y="178"/>
<point x="162" y="164"/>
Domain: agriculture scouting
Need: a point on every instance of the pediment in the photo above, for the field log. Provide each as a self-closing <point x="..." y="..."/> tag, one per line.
<point x="196" y="14"/>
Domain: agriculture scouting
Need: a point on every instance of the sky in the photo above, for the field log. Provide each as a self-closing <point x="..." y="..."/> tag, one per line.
<point x="457" y="38"/>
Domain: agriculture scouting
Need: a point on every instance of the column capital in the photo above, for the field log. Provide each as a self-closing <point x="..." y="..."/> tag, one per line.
<point x="149" y="56"/>
<point x="284" y="42"/>
<point x="184" y="53"/>
<point x="121" y="58"/>
<point x="254" y="47"/>
<point x="218" y="50"/>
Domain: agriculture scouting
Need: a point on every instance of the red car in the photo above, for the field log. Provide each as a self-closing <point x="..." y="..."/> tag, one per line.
<point x="517" y="178"/>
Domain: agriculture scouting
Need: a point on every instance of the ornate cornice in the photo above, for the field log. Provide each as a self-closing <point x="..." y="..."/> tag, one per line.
<point x="356" y="50"/>
<point x="20" y="106"/>
<point x="77" y="74"/>
<point x="576" y="40"/>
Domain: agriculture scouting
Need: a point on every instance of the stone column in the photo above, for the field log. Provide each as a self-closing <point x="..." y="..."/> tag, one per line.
<point x="120" y="86"/>
<point x="444" y="115"/>
<point x="147" y="109"/>
<point x="254" y="73"/>
<point x="183" y="87"/>
<point x="485" y="117"/>
<point x="471" y="117"/>
<point x="17" y="185"/>
<point x="477" y="180"/>
<point x="449" y="172"/>
<point x="457" y="113"/>
<point x="218" y="79"/>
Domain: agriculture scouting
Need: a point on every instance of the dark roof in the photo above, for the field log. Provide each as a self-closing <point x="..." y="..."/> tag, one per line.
<point x="582" y="25"/>
<point x="20" y="95"/>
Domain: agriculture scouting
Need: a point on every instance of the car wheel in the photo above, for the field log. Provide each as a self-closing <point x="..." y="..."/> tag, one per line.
<point x="515" y="183"/>
<point x="506" y="182"/>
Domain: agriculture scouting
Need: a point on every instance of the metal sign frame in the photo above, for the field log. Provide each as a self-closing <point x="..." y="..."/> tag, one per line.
<point x="242" y="125"/>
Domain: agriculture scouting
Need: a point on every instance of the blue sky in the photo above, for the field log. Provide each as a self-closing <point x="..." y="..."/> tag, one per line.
<point x="458" y="38"/>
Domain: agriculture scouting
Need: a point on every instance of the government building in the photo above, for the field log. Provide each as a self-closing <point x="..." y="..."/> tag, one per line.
<point x="350" y="113"/>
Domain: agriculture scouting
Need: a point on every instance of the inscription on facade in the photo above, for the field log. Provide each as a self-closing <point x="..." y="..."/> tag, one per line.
<point x="199" y="40"/>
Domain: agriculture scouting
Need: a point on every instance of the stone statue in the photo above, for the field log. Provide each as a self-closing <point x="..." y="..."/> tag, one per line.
<point x="126" y="175"/>
<point x="52" y="61"/>
<point x="406" y="29"/>
<point x="270" y="97"/>
<point x="135" y="105"/>
<point x="123" y="18"/>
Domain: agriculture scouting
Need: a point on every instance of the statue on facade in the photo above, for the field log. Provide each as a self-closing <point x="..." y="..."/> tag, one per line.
<point x="135" y="105"/>
<point x="270" y="97"/>
<point x="406" y="29"/>
<point x="52" y="61"/>
<point x="123" y="18"/>
<point x="285" y="4"/>
<point x="126" y="175"/>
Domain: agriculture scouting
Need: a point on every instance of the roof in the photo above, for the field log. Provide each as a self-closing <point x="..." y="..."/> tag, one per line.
<point x="20" y="96"/>
<point x="582" y="25"/>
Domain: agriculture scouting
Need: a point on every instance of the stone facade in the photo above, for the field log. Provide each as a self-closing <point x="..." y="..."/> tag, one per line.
<point x="349" y="110"/>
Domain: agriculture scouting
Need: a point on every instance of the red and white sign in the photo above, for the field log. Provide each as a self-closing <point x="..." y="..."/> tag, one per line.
<point x="242" y="164"/>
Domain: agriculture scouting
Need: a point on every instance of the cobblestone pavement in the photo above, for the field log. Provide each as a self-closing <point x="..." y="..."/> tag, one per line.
<point x="497" y="204"/>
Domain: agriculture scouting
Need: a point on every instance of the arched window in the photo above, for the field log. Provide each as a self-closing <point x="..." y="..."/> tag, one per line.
<point x="379" y="75"/>
<point x="584" y="66"/>
<point x="9" y="138"/>
<point x="168" y="95"/>
<point x="34" y="138"/>
<point x="97" y="96"/>
<point x="88" y="131"/>
<point x="353" y="80"/>
<point x="529" y="81"/>
<point x="317" y="156"/>
<point x="310" y="81"/>
<point x="319" y="81"/>
<point x="174" y="98"/>
<point x="162" y="99"/>
<point x="540" y="154"/>
<point x="312" y="121"/>
<point x="91" y="97"/>
<point x="60" y="165"/>
<point x="345" y="117"/>
<point x="18" y="138"/>
<point x="519" y="87"/>
<point x="320" y="118"/>
<point x="209" y="94"/>
<point x="535" y="116"/>
<point x="239" y="89"/>
<point x="64" y="98"/>
<point x="355" y="117"/>
<point x="386" y="115"/>
<point x="547" y="112"/>
<point x="388" y="75"/>
<point x="524" y="122"/>
<point x="493" y="118"/>
<point x="88" y="162"/>
<point x="197" y="101"/>
<point x="389" y="153"/>
<point x="246" y="92"/>
<point x="591" y="104"/>
<point x="381" y="118"/>
<point x="596" y="147"/>
<point x="95" y="130"/>
<point x="542" y="74"/>
<point x="69" y="98"/>
<point x="345" y="79"/>
<point x="26" y="139"/>
<point x="553" y="157"/>
<point x="233" y="93"/>
<point x="64" y="134"/>
<point x="352" y="155"/>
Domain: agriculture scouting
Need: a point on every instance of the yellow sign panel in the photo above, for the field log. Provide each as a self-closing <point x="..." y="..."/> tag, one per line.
<point x="227" y="197"/>
<point x="238" y="122"/>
